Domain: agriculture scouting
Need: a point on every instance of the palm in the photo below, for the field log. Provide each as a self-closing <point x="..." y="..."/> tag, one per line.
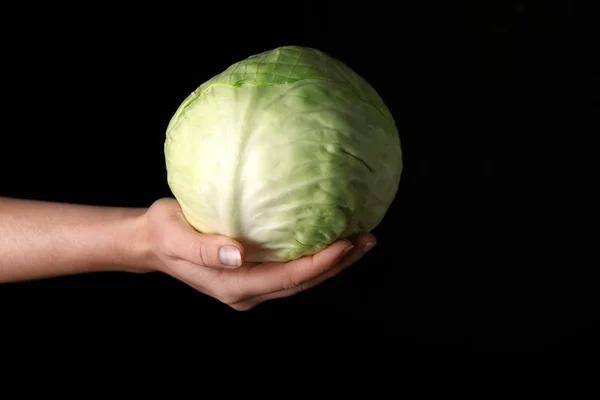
<point x="253" y="283"/>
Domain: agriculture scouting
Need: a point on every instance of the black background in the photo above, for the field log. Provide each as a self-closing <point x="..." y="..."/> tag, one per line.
<point x="491" y="243"/>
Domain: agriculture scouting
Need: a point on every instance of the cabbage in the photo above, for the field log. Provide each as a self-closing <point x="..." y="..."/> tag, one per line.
<point x="285" y="151"/>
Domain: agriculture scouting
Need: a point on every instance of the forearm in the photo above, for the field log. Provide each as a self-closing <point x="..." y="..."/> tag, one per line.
<point x="45" y="239"/>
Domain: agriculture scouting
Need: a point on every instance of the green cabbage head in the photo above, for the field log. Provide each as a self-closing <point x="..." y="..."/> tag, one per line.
<point x="285" y="151"/>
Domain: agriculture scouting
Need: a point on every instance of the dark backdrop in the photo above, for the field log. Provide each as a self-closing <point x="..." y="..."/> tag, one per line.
<point x="491" y="243"/>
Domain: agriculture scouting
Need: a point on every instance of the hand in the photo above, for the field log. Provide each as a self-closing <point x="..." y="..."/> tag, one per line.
<point x="214" y="264"/>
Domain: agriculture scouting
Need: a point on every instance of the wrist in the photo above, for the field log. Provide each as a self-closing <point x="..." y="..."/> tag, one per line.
<point x="136" y="251"/>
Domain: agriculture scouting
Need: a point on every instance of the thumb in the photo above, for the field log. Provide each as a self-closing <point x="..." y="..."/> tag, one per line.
<point x="209" y="250"/>
<point x="217" y="251"/>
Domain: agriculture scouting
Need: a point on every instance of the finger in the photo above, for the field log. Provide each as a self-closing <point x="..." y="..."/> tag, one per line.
<point x="363" y="244"/>
<point x="356" y="254"/>
<point x="209" y="250"/>
<point x="253" y="301"/>
<point x="273" y="277"/>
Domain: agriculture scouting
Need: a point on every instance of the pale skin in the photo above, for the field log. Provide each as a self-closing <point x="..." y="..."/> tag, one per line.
<point x="46" y="239"/>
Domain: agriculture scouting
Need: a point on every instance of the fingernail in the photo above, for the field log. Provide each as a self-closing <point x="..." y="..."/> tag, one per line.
<point x="230" y="255"/>
<point x="369" y="246"/>
<point x="347" y="250"/>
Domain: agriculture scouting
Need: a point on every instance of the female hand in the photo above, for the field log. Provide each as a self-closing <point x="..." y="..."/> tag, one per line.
<point x="214" y="265"/>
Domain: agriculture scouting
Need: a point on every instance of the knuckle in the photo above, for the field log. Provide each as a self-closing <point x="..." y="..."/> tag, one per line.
<point x="168" y="246"/>
<point x="291" y="281"/>
<point x="290" y="284"/>
<point x="197" y="253"/>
